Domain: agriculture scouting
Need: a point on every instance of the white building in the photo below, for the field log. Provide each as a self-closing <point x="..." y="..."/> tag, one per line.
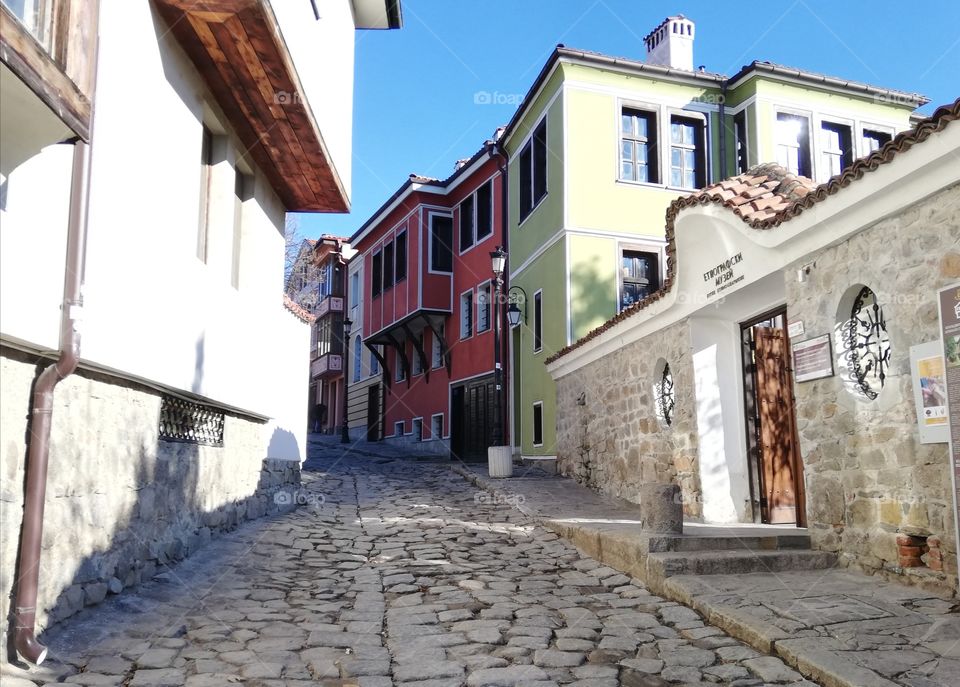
<point x="187" y="409"/>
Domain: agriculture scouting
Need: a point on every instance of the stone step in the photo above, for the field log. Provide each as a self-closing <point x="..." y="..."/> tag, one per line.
<point x="772" y="542"/>
<point x="730" y="562"/>
<point x="546" y="463"/>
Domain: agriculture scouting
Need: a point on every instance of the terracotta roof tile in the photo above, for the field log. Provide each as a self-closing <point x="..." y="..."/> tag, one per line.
<point x="789" y="196"/>
<point x="301" y="313"/>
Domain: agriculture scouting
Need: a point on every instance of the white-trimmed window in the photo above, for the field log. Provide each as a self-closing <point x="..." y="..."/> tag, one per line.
<point x="793" y="143"/>
<point x="398" y="427"/>
<point x="740" y="141"/>
<point x="399" y="372"/>
<point x="873" y="140"/>
<point x="441" y="243"/>
<point x="639" y="275"/>
<point x="638" y="145"/>
<point x="533" y="170"/>
<point x="354" y="289"/>
<point x="538" y="321"/>
<point x="436" y="349"/>
<point x="400" y="257"/>
<point x="476" y="216"/>
<point x="418" y="429"/>
<point x="374" y="364"/>
<point x="466" y="314"/>
<point x="538" y="423"/>
<point x="376" y="274"/>
<point x="688" y="146"/>
<point x="484" y="301"/>
<point x="836" y="149"/>
<point x="436" y="426"/>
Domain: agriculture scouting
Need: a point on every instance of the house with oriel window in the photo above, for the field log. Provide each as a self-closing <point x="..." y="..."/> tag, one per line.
<point x="599" y="148"/>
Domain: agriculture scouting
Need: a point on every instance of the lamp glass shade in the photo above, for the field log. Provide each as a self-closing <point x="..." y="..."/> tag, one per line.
<point x="346" y="326"/>
<point x="513" y="315"/>
<point x="497" y="260"/>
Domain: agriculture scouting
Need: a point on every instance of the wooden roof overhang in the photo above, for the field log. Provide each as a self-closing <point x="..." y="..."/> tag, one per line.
<point x="240" y="52"/>
<point x="396" y="335"/>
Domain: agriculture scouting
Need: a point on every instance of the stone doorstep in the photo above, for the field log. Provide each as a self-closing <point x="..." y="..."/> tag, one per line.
<point x="818" y="658"/>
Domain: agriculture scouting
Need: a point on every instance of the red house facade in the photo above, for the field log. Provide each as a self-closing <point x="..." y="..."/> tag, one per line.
<point x="428" y="310"/>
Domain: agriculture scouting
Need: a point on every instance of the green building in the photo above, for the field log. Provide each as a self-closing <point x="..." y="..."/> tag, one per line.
<point x="601" y="145"/>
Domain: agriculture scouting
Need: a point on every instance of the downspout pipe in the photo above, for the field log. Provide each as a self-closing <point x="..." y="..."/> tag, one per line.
<point x="38" y="452"/>
<point x="722" y="114"/>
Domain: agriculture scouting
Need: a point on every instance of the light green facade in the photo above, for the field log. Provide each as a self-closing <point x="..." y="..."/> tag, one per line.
<point x="570" y="245"/>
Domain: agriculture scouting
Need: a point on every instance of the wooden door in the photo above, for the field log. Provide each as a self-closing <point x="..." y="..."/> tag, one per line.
<point x="779" y="468"/>
<point x="472" y="420"/>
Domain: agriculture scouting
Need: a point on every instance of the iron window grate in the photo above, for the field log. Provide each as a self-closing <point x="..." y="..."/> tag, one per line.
<point x="190" y="422"/>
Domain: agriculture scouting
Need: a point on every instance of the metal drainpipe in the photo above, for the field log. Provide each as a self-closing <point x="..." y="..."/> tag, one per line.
<point x="723" y="130"/>
<point x="38" y="452"/>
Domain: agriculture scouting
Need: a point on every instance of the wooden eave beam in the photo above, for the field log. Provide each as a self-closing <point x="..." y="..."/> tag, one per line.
<point x="237" y="47"/>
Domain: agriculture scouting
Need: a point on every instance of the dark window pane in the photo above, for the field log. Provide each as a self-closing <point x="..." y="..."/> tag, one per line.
<point x="466" y="223"/>
<point x="537" y="322"/>
<point x="485" y="210"/>
<point x="376" y="280"/>
<point x="402" y="256"/>
<point x="441" y="244"/>
<point x="388" y="266"/>
<point x="526" y="190"/>
<point x="540" y="162"/>
<point x="538" y="424"/>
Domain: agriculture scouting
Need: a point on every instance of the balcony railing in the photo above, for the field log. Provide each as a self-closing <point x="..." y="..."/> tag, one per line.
<point x="329" y="364"/>
<point x="330" y="304"/>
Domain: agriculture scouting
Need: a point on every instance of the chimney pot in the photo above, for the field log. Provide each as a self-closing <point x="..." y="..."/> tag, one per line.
<point x="671" y="43"/>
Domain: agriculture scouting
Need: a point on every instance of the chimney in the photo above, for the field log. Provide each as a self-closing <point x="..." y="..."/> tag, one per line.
<point x="671" y="44"/>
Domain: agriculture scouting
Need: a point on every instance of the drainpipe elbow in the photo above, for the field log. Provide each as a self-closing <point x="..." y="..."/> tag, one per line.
<point x="25" y="640"/>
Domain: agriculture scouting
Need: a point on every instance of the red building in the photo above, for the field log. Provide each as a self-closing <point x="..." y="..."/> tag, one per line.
<point x="428" y="311"/>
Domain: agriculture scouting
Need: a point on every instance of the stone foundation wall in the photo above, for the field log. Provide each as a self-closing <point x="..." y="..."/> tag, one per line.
<point x="122" y="504"/>
<point x="611" y="437"/>
<point x="868" y="478"/>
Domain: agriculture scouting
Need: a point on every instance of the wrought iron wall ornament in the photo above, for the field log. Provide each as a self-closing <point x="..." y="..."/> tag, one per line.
<point x="869" y="345"/>
<point x="665" y="396"/>
<point x="190" y="422"/>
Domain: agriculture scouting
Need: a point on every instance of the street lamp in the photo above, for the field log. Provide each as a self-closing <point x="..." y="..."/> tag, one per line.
<point x="345" y="429"/>
<point x="514" y="314"/>
<point x="497" y="260"/>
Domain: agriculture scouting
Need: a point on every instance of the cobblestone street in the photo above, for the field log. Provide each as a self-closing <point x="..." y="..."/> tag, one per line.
<point x="397" y="573"/>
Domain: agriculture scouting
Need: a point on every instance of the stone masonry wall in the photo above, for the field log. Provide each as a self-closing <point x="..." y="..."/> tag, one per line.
<point x="612" y="438"/>
<point x="121" y="504"/>
<point x="868" y="478"/>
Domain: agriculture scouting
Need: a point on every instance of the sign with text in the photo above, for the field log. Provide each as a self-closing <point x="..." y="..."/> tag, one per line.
<point x="723" y="275"/>
<point x="813" y="359"/>
<point x="949" y="300"/>
<point x="930" y="392"/>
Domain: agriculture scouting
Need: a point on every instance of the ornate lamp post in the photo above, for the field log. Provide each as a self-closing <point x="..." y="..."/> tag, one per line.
<point x="498" y="455"/>
<point x="345" y="429"/>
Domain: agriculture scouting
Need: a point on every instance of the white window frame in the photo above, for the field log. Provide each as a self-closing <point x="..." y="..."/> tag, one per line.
<point x="819" y="150"/>
<point x="415" y="367"/>
<point x="431" y="214"/>
<point x="533" y="425"/>
<point x="484" y="287"/>
<point x="863" y="127"/>
<point x="528" y="141"/>
<point x="417" y="436"/>
<point x="433" y="427"/>
<point x="398" y="374"/>
<point x="745" y="142"/>
<point x="398" y="427"/>
<point x="467" y="311"/>
<point x="654" y="125"/>
<point x="474" y="240"/>
<point x="537" y="295"/>
<point x="665" y="150"/>
<point x="658" y="249"/>
<point x="811" y="139"/>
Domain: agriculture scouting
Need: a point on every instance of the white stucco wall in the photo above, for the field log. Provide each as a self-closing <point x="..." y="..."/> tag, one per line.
<point x="153" y="310"/>
<point x="322" y="51"/>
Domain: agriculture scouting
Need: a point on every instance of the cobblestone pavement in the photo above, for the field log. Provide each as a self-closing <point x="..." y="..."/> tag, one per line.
<point x="396" y="573"/>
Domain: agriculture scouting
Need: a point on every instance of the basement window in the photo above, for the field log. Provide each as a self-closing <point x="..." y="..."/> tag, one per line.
<point x="191" y="423"/>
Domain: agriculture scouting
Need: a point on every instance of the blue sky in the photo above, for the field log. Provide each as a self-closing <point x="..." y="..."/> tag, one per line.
<point x="415" y="106"/>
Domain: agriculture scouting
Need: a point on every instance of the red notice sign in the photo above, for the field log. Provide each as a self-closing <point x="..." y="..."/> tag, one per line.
<point x="950" y="334"/>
